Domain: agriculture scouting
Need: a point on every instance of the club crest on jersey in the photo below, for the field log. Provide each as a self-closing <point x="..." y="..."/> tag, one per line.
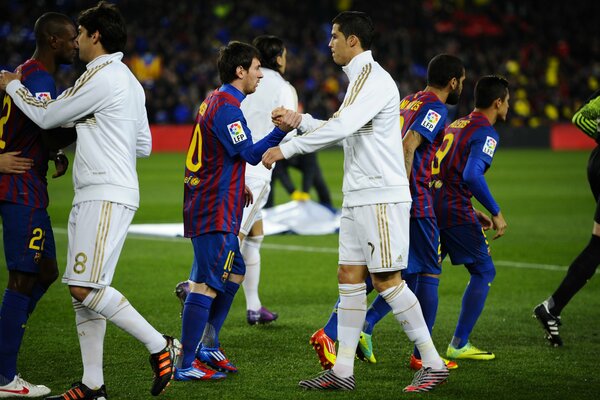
<point x="236" y="131"/>
<point x="431" y="120"/>
<point x="44" y="96"/>
<point x="490" y="146"/>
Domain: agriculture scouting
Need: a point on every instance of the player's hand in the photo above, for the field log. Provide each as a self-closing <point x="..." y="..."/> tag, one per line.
<point x="61" y="163"/>
<point x="271" y="156"/>
<point x="277" y="115"/>
<point x="484" y="220"/>
<point x="499" y="225"/>
<point x="6" y="77"/>
<point x="290" y="121"/>
<point x="11" y="163"/>
<point x="248" y="196"/>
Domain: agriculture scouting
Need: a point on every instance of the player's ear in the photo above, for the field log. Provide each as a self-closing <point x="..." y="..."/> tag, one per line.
<point x="239" y="72"/>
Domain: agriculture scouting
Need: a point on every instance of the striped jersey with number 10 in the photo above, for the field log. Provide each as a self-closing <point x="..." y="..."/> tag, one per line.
<point x="19" y="133"/>
<point x="424" y="113"/>
<point x="214" y="172"/>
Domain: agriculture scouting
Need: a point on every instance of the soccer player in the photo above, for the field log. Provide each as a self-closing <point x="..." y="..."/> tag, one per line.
<point x="107" y="105"/>
<point x="374" y="228"/>
<point x="465" y="153"/>
<point x="422" y="119"/>
<point x="273" y="91"/>
<point x="27" y="232"/>
<point x="214" y="198"/>
<point x="585" y="264"/>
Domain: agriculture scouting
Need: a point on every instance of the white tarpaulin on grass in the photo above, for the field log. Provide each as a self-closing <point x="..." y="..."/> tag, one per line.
<point x="299" y="217"/>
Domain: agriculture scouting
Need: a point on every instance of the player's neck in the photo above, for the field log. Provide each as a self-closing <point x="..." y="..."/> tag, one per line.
<point x="490" y="114"/>
<point x="46" y="60"/>
<point x="440" y="93"/>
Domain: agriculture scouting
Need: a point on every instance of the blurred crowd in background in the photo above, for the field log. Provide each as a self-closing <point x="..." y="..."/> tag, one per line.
<point x="549" y="51"/>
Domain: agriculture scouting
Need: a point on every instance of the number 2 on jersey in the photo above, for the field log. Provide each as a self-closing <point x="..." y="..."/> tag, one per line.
<point x="6" y="107"/>
<point x="441" y="153"/>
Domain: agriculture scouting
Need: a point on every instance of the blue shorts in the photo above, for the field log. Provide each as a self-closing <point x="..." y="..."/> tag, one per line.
<point x="216" y="255"/>
<point x="28" y="237"/>
<point x="465" y="244"/>
<point x="424" y="252"/>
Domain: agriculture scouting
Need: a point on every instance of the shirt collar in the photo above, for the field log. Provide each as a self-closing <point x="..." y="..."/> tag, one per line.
<point x="232" y="91"/>
<point x="104" y="58"/>
<point x="355" y="65"/>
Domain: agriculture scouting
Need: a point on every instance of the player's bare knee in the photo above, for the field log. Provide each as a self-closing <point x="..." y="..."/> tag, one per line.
<point x="385" y="280"/>
<point x="21" y="282"/>
<point x="202" y="288"/>
<point x="236" y="278"/>
<point x="79" y="292"/>
<point x="352" y="274"/>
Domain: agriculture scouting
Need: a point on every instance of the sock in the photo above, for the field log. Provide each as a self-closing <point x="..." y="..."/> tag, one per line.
<point x="250" y="250"/>
<point x="427" y="294"/>
<point x="331" y="327"/>
<point x="194" y="317"/>
<point x="13" y="317"/>
<point x="218" y="313"/>
<point x="352" y="309"/>
<point x="473" y="301"/>
<point x="378" y="309"/>
<point x="91" y="328"/>
<point x="581" y="270"/>
<point x="111" y="304"/>
<point x="406" y="309"/>
<point x="36" y="294"/>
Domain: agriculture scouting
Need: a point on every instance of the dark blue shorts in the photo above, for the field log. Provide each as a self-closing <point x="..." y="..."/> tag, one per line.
<point x="216" y="255"/>
<point x="424" y="253"/>
<point x="27" y="235"/>
<point x="465" y="244"/>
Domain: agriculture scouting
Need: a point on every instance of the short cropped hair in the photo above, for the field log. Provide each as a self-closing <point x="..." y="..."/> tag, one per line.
<point x="233" y="55"/>
<point x="356" y="23"/>
<point x="488" y="89"/>
<point x="442" y="68"/>
<point x="108" y="21"/>
<point x="269" y="47"/>
<point x="50" y="24"/>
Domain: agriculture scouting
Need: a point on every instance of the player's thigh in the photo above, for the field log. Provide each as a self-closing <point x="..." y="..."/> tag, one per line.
<point x="27" y="236"/>
<point x="424" y="256"/>
<point x="375" y="235"/>
<point x="260" y="189"/>
<point x="465" y="244"/>
<point x="97" y="232"/>
<point x="216" y="256"/>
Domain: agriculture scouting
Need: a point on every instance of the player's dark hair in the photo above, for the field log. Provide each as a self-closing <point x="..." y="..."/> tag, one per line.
<point x="490" y="88"/>
<point x="356" y="23"/>
<point x="110" y="24"/>
<point x="50" y="24"/>
<point x="442" y="68"/>
<point x="233" y="55"/>
<point x="270" y="47"/>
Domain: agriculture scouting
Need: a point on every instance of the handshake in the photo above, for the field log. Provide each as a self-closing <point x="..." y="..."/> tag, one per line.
<point x="286" y="120"/>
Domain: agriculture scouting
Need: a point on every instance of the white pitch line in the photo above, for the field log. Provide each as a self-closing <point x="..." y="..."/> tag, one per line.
<point x="332" y="250"/>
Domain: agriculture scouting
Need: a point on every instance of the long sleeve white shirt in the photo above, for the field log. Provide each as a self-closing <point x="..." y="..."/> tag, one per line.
<point x="273" y="91"/>
<point x="368" y="124"/>
<point x="107" y="105"/>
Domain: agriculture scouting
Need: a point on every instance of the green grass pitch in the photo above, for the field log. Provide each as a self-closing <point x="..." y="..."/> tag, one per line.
<point x="548" y="206"/>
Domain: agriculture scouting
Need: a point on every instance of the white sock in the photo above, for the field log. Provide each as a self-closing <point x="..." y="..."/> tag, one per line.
<point x="91" y="328"/>
<point x="352" y="311"/>
<point x="251" y="252"/>
<point x="408" y="313"/>
<point x="110" y="303"/>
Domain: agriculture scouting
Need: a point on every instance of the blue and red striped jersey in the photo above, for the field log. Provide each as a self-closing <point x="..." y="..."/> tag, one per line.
<point x="424" y="113"/>
<point x="19" y="133"/>
<point x="214" y="171"/>
<point x="470" y="136"/>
